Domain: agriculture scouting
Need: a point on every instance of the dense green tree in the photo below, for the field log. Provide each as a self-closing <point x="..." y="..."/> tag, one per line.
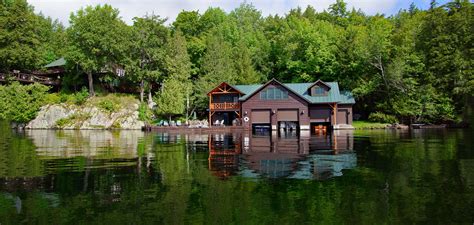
<point x="416" y="65"/>
<point x="98" y="40"/>
<point x="177" y="61"/>
<point x="305" y="51"/>
<point x="20" y="36"/>
<point x="171" y="99"/>
<point x="217" y="66"/>
<point x="176" y="87"/>
<point x="446" y="41"/>
<point x="245" y="72"/>
<point x="188" y="23"/>
<point x="144" y="63"/>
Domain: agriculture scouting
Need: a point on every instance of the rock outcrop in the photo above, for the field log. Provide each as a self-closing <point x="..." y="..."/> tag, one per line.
<point x="64" y="116"/>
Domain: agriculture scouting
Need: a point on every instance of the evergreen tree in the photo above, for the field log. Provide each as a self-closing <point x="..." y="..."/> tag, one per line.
<point x="171" y="100"/>
<point x="217" y="66"/>
<point x="176" y="87"/>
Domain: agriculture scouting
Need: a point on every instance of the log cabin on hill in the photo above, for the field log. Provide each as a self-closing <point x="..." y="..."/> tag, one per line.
<point x="50" y="75"/>
<point x="275" y="105"/>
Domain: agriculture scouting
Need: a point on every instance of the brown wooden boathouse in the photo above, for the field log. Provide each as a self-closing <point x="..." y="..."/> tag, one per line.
<point x="277" y="105"/>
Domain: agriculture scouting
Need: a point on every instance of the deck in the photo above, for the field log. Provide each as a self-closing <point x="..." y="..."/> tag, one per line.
<point x="29" y="78"/>
<point x="185" y="129"/>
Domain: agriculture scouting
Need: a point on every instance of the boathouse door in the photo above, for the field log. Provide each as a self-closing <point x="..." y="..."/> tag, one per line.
<point x="260" y="117"/>
<point x="288" y="119"/>
<point x="342" y="115"/>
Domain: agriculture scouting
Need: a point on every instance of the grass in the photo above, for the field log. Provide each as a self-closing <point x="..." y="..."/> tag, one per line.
<point x="368" y="125"/>
<point x="76" y="118"/>
<point x="112" y="102"/>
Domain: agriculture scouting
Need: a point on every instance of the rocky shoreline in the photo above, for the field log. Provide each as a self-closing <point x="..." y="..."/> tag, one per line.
<point x="88" y="117"/>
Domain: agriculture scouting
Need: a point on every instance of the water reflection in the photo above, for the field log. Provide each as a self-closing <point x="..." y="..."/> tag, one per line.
<point x="90" y="177"/>
<point x="281" y="155"/>
<point x="87" y="143"/>
<point x="253" y="155"/>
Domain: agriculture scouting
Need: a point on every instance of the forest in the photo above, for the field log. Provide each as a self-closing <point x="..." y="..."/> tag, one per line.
<point x="415" y="65"/>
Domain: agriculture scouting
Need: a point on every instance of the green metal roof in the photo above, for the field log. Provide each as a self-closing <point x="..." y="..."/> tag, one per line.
<point x="56" y="63"/>
<point x="334" y="95"/>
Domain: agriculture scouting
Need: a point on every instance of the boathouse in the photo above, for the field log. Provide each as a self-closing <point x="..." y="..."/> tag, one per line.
<point x="275" y="105"/>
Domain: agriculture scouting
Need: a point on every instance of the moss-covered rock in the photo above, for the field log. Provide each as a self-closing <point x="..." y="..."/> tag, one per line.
<point x="118" y="112"/>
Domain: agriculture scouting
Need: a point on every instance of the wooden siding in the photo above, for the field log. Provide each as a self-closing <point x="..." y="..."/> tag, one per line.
<point x="293" y="102"/>
<point x="348" y="110"/>
<point x="342" y="116"/>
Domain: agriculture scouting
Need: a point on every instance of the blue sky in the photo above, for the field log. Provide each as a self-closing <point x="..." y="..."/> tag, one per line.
<point x="61" y="9"/>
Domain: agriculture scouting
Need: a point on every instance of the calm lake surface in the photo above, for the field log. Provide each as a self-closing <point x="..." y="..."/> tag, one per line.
<point x="131" y="177"/>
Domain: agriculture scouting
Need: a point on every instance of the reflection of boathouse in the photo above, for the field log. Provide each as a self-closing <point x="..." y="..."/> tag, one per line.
<point x="285" y="155"/>
<point x="224" y="151"/>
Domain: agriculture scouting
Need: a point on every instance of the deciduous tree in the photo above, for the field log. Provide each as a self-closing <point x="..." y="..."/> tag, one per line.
<point x="98" y="40"/>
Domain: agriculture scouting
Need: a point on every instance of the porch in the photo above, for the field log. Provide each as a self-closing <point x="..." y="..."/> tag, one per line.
<point x="224" y="106"/>
<point x="29" y="78"/>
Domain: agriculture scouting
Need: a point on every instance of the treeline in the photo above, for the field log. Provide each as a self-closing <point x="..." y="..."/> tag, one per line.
<point x="416" y="65"/>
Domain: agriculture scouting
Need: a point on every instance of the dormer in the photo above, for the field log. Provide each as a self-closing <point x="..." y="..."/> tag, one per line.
<point x="319" y="88"/>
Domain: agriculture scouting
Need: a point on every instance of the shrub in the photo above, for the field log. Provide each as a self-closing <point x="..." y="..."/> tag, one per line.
<point x="53" y="98"/>
<point x="21" y="103"/>
<point x="61" y="123"/>
<point x="77" y="98"/>
<point x="108" y="105"/>
<point x="145" y="113"/>
<point x="64" y="97"/>
<point x="81" y="97"/>
<point x="382" y="118"/>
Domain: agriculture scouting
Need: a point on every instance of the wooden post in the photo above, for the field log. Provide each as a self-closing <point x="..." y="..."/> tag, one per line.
<point x="335" y="113"/>
<point x="210" y="103"/>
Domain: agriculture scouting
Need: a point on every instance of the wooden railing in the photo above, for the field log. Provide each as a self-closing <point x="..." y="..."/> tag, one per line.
<point x="29" y="78"/>
<point x="225" y="106"/>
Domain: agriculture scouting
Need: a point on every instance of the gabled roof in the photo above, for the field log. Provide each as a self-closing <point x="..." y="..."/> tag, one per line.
<point x="56" y="63"/>
<point x="320" y="82"/>
<point x="302" y="89"/>
<point x="248" y="95"/>
<point x="218" y="87"/>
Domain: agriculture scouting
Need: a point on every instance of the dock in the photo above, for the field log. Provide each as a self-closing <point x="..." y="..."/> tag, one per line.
<point x="186" y="129"/>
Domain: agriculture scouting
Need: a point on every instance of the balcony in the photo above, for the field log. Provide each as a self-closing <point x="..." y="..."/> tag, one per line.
<point x="29" y="78"/>
<point x="225" y="106"/>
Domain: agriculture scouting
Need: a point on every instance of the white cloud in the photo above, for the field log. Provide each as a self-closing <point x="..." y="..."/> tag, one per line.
<point x="61" y="9"/>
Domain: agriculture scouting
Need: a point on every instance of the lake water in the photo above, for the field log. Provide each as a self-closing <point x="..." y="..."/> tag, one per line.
<point x="131" y="177"/>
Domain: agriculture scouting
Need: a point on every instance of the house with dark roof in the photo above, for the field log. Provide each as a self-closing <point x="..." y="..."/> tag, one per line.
<point x="275" y="105"/>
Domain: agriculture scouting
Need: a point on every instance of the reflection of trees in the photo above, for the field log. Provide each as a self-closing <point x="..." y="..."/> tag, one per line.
<point x="400" y="180"/>
<point x="420" y="174"/>
<point x="17" y="155"/>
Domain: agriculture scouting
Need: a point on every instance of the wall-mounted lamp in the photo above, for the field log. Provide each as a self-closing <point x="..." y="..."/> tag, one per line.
<point x="245" y="113"/>
<point x="302" y="112"/>
<point x="273" y="111"/>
